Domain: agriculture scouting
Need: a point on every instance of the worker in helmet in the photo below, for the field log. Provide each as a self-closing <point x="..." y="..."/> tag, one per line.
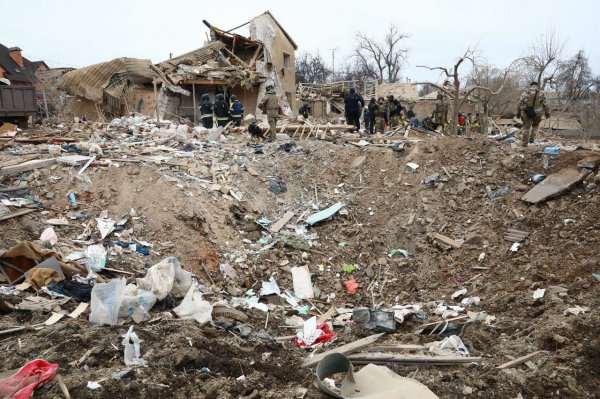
<point x="236" y="110"/>
<point x="381" y="115"/>
<point x="270" y="106"/>
<point x="206" y="111"/>
<point x="221" y="110"/>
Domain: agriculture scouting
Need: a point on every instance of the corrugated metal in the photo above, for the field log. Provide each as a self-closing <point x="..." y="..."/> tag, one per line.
<point x="89" y="82"/>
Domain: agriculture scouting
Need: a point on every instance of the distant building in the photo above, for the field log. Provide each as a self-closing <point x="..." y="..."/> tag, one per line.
<point x="17" y="69"/>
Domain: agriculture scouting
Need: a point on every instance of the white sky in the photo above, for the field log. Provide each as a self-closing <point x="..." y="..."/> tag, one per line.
<point x="83" y="32"/>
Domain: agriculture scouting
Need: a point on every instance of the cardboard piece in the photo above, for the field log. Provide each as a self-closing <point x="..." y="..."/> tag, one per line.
<point x="303" y="288"/>
<point x="371" y="382"/>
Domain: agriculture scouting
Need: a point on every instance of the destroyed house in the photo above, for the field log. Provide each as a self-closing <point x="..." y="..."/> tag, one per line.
<point x="233" y="64"/>
<point x="229" y="63"/>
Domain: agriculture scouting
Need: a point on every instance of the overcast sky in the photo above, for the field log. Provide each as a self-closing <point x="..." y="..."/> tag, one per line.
<point x="82" y="32"/>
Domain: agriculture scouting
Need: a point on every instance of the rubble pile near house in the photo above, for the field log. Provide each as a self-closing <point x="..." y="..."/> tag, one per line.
<point x="169" y="261"/>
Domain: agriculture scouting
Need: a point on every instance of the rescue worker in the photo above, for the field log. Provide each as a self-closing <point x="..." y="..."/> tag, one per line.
<point x="304" y="110"/>
<point x="440" y="112"/>
<point x="270" y="106"/>
<point x="206" y="111"/>
<point x="394" y="109"/>
<point x="531" y="105"/>
<point x="366" y="120"/>
<point x="237" y="110"/>
<point x="221" y="110"/>
<point x="412" y="117"/>
<point x="381" y="116"/>
<point x="372" y="107"/>
<point x="352" y="108"/>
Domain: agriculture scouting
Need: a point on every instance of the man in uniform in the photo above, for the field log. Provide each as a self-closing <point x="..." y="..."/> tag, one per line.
<point x="440" y="113"/>
<point x="206" y="111"/>
<point x="270" y="106"/>
<point x="221" y="110"/>
<point x="381" y="116"/>
<point x="352" y="108"/>
<point x="531" y="105"/>
<point x="394" y="109"/>
<point x="371" y="110"/>
<point x="237" y="111"/>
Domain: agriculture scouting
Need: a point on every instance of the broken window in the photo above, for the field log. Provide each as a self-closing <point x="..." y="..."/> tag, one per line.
<point x="288" y="95"/>
<point x="286" y="60"/>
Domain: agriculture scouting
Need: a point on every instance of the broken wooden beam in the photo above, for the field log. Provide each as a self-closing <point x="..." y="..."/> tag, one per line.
<point x="344" y="349"/>
<point x="27" y="166"/>
<point x="15" y="214"/>
<point x="447" y="240"/>
<point x="278" y="225"/>
<point x="13" y="188"/>
<point x="519" y="360"/>
<point x="378" y="358"/>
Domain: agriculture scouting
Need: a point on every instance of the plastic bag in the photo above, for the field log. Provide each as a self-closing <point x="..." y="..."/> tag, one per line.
<point x="194" y="307"/>
<point x="131" y="342"/>
<point x="134" y="297"/>
<point x="106" y="301"/>
<point x="164" y="277"/>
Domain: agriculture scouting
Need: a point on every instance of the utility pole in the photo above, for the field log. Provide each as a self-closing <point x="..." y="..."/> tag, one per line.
<point x="333" y="64"/>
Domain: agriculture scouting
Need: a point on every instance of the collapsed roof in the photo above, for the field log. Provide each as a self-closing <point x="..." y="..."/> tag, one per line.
<point x="90" y="82"/>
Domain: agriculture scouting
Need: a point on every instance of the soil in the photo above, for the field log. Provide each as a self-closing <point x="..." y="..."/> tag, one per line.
<point x="183" y="213"/>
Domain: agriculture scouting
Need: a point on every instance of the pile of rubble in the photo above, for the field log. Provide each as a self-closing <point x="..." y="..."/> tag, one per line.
<point x="147" y="258"/>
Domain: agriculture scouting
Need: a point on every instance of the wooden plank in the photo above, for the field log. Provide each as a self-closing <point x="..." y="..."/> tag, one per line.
<point x="362" y="358"/>
<point x="519" y="360"/>
<point x="278" y="225"/>
<point x="15" y="214"/>
<point x="344" y="349"/>
<point x="525" y="233"/>
<point x="78" y="310"/>
<point x="205" y="81"/>
<point x="326" y="316"/>
<point x="13" y="188"/>
<point x="27" y="166"/>
<point x="447" y="240"/>
<point x="395" y="348"/>
<point x="443" y="321"/>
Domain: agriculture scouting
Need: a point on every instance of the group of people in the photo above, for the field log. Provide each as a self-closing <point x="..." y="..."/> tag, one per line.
<point x="378" y="115"/>
<point x="221" y="110"/>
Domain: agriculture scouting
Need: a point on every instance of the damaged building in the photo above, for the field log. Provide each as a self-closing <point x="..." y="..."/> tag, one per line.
<point x="229" y="63"/>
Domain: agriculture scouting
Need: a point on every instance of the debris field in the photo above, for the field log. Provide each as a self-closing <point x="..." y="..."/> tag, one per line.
<point x="225" y="269"/>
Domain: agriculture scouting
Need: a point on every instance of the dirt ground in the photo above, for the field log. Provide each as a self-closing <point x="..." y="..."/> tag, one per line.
<point x="388" y="207"/>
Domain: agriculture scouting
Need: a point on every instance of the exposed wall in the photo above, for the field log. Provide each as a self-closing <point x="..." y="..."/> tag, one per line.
<point x="277" y="49"/>
<point x="80" y="107"/>
<point x="146" y="95"/>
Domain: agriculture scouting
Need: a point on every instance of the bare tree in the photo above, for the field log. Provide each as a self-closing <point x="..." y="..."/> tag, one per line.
<point x="544" y="57"/>
<point x="381" y="59"/>
<point x="311" y="68"/>
<point x="454" y="93"/>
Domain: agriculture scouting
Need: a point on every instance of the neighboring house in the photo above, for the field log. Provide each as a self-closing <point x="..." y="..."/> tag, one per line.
<point x="18" y="69"/>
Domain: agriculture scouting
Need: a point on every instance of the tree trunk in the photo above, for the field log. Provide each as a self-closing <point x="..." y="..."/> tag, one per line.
<point x="455" y="106"/>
